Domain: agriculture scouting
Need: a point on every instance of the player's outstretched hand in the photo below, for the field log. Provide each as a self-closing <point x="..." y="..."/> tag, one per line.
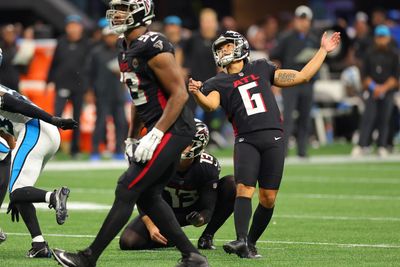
<point x="65" y="124"/>
<point x="194" y="86"/>
<point x="156" y="236"/>
<point x="329" y="43"/>
<point x="14" y="212"/>
<point x="147" y="145"/>
<point x="195" y="218"/>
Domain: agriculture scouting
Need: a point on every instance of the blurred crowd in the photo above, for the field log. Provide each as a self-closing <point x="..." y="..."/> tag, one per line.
<point x="84" y="69"/>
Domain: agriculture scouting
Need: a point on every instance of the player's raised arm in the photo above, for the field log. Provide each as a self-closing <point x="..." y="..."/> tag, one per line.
<point x="168" y="73"/>
<point x="208" y="103"/>
<point x="287" y="77"/>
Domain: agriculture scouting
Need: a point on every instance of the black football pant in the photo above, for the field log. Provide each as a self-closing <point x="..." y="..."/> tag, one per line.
<point x="379" y="111"/>
<point x="143" y="184"/>
<point x="137" y="237"/>
<point x="76" y="98"/>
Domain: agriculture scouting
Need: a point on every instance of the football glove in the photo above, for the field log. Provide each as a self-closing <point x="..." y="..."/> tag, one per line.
<point x="14" y="212"/>
<point x="65" y="124"/>
<point x="148" y="145"/>
<point x="130" y="146"/>
<point x="195" y="218"/>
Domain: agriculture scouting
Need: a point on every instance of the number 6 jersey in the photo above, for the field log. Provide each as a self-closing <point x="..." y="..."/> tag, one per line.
<point x="247" y="97"/>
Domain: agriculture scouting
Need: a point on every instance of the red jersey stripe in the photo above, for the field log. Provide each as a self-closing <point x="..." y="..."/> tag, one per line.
<point x="160" y="147"/>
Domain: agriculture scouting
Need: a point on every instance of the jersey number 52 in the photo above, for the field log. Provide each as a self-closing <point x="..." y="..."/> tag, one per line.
<point x="132" y="82"/>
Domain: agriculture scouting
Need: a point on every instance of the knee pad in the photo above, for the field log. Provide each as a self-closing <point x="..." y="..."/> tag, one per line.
<point x="4" y="149"/>
<point x="227" y="184"/>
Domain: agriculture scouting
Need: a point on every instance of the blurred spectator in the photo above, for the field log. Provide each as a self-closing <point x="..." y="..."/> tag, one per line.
<point x="256" y="37"/>
<point x="26" y="51"/>
<point x="393" y="22"/>
<point x="270" y="27"/>
<point x="199" y="60"/>
<point x="9" y="74"/>
<point x="293" y="52"/>
<point x="109" y="93"/>
<point x="378" y="17"/>
<point x="228" y="23"/>
<point x="198" y="54"/>
<point x="381" y="80"/>
<point x="173" y="31"/>
<point x="361" y="40"/>
<point x="67" y="75"/>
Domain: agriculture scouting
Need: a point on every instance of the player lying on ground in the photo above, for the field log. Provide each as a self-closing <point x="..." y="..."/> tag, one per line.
<point x="243" y="90"/>
<point x="195" y="193"/>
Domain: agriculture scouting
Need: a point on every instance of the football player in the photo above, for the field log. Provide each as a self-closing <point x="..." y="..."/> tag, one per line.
<point x="12" y="102"/>
<point x="243" y="90"/>
<point x="36" y="142"/>
<point x="151" y="73"/>
<point x="196" y="195"/>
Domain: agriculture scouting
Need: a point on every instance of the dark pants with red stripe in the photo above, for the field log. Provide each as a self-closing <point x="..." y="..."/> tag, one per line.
<point x="143" y="184"/>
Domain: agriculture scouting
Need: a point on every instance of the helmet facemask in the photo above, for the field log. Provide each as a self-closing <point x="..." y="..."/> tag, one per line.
<point x="199" y="142"/>
<point x="129" y="14"/>
<point x="240" y="50"/>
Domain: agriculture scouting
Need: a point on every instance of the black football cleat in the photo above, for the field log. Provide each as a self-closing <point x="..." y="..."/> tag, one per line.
<point x="239" y="247"/>
<point x="67" y="259"/>
<point x="194" y="260"/>
<point x="39" y="250"/>
<point x="206" y="242"/>
<point x="253" y="251"/>
<point x="3" y="236"/>
<point x="61" y="196"/>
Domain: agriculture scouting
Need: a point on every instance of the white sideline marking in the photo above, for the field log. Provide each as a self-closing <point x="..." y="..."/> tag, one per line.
<point x="340" y="197"/>
<point x="86" y="206"/>
<point x="344" y="180"/>
<point x="338" y="218"/>
<point x="260" y="241"/>
<point x="226" y="161"/>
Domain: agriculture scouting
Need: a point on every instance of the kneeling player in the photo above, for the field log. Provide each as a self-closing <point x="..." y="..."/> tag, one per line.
<point x="196" y="195"/>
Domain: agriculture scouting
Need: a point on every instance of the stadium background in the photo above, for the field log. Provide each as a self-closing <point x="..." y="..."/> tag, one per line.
<point x="333" y="210"/>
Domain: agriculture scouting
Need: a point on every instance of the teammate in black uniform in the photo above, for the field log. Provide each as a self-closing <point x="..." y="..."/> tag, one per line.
<point x="195" y="193"/>
<point x="159" y="95"/>
<point x="244" y="92"/>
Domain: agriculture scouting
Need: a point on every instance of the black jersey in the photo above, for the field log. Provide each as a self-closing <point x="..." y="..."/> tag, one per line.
<point x="247" y="97"/>
<point x="182" y="191"/>
<point x="147" y="93"/>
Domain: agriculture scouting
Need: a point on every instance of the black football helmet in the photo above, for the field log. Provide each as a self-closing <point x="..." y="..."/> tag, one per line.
<point x="200" y="140"/>
<point x="124" y="15"/>
<point x="241" y="50"/>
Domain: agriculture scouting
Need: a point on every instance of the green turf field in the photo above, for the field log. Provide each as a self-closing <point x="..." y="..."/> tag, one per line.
<point x="326" y="215"/>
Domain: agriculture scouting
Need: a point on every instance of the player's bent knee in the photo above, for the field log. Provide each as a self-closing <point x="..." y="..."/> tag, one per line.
<point x="267" y="198"/>
<point x="123" y="194"/>
<point x="244" y="190"/>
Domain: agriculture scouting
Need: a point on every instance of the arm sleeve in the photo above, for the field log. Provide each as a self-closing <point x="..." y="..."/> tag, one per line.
<point x="208" y="87"/>
<point x="207" y="201"/>
<point x="11" y="103"/>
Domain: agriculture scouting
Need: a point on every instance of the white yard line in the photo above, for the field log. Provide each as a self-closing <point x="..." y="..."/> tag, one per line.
<point x="227" y="161"/>
<point x="347" y="245"/>
<point x="340" y="197"/>
<point x="87" y="206"/>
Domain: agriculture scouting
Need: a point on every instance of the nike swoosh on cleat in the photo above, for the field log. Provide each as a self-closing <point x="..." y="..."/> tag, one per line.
<point x="277" y="138"/>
